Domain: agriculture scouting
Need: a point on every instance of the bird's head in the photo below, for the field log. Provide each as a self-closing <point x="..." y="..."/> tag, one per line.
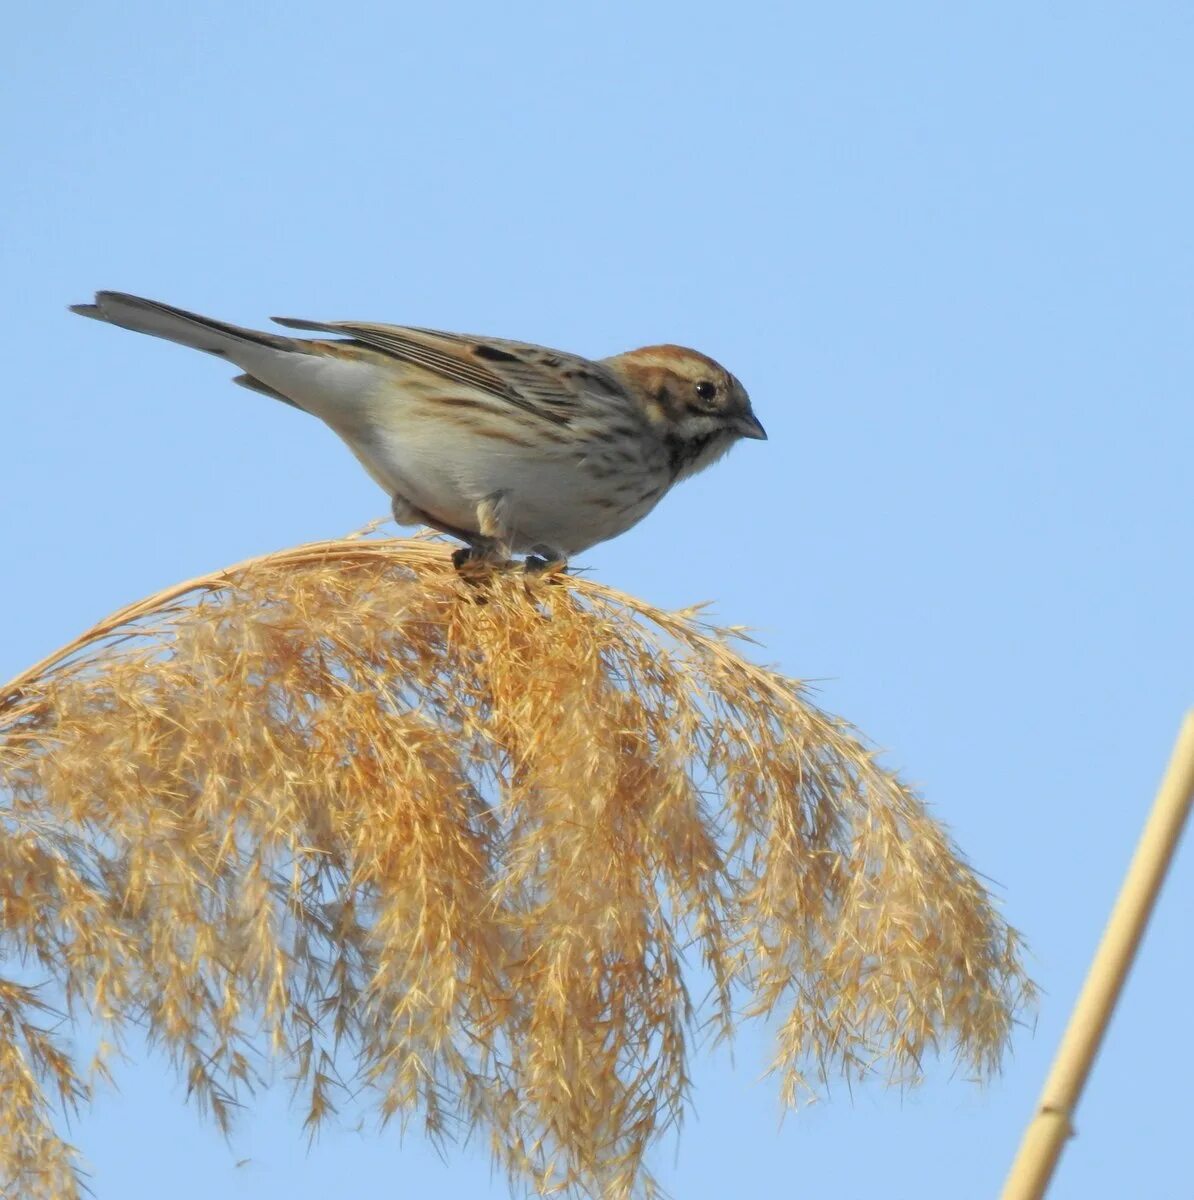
<point x="695" y="405"/>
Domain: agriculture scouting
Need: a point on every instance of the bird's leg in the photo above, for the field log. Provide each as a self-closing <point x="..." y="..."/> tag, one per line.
<point x="545" y="561"/>
<point x="490" y="545"/>
<point x="485" y="548"/>
<point x="481" y="554"/>
<point x="479" y="549"/>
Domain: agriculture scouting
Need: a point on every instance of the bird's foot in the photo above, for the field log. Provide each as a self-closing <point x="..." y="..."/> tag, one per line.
<point x="545" y="564"/>
<point x="481" y="558"/>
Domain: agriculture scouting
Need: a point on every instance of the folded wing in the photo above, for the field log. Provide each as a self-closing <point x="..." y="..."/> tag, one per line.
<point x="548" y="384"/>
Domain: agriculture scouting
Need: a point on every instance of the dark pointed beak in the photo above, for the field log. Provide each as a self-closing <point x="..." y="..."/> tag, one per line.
<point x="749" y="427"/>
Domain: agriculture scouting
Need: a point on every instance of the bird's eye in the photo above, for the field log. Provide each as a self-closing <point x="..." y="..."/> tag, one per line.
<point x="706" y="390"/>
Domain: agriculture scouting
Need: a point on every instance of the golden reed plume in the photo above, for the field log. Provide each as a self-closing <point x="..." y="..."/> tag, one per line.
<point x="491" y="851"/>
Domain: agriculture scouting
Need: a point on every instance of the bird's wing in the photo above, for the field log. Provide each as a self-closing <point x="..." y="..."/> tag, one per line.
<point x="547" y="383"/>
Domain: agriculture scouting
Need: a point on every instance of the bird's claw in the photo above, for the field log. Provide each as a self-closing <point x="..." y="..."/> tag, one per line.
<point x="539" y="567"/>
<point x="475" y="561"/>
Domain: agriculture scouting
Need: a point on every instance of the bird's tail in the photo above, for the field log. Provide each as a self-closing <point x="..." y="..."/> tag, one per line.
<point x="178" y="325"/>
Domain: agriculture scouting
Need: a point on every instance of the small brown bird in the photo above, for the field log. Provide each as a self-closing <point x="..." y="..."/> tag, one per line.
<point x="508" y="446"/>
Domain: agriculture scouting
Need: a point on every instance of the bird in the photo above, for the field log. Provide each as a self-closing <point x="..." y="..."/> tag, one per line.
<point x="509" y="447"/>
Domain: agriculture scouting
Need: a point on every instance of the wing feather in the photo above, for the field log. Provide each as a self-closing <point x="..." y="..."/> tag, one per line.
<point x="548" y="384"/>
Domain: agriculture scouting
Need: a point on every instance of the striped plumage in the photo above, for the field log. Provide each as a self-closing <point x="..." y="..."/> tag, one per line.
<point x="509" y="446"/>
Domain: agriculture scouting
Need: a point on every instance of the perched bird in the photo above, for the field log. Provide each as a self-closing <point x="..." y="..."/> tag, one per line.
<point x="510" y="447"/>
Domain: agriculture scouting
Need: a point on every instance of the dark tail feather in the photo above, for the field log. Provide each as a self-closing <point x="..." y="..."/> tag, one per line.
<point x="178" y="325"/>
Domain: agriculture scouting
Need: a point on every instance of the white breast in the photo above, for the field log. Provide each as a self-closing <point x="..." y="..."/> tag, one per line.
<point x="418" y="449"/>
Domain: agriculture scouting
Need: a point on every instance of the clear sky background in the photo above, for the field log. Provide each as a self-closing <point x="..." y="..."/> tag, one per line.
<point x="949" y="251"/>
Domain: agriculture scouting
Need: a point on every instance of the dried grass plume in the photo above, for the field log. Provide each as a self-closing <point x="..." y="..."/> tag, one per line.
<point x="490" y="852"/>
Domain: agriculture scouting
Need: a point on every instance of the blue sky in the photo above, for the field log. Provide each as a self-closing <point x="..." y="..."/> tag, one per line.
<point x="949" y="251"/>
